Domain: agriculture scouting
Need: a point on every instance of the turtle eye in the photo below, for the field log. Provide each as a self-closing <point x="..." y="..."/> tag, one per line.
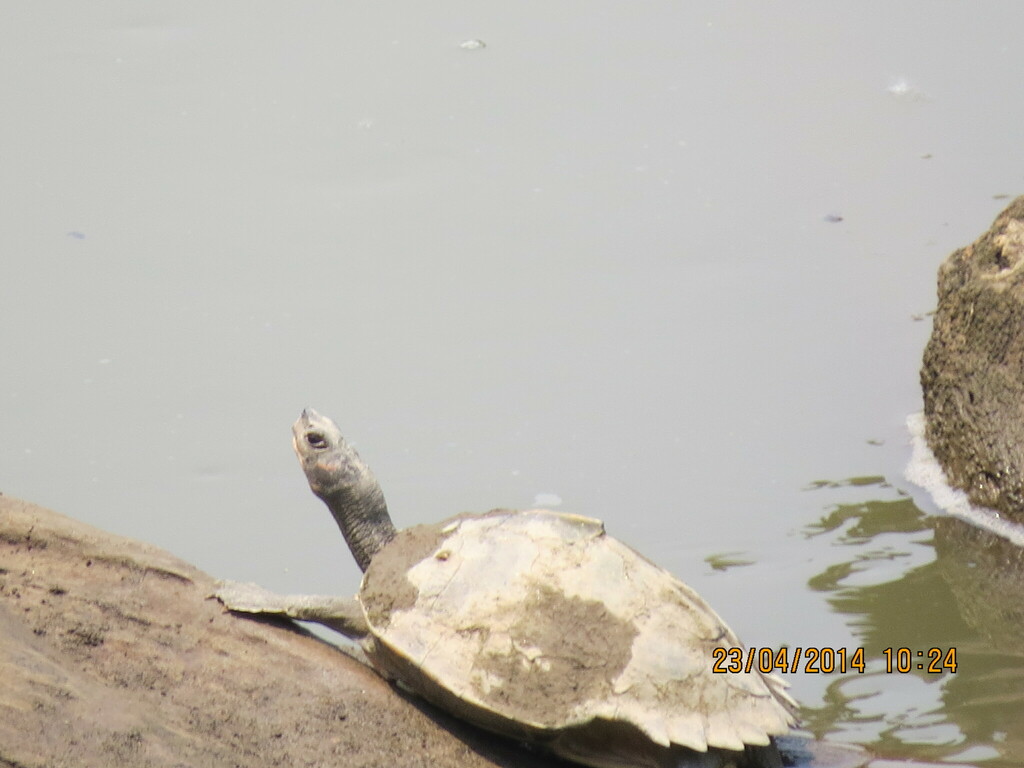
<point x="316" y="440"/>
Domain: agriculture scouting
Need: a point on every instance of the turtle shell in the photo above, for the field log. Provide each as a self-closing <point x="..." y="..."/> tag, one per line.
<point x="538" y="625"/>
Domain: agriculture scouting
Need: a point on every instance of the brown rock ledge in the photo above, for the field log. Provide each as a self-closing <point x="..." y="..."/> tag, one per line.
<point x="112" y="654"/>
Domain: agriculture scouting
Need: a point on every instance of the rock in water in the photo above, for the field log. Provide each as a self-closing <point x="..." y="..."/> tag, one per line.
<point x="973" y="371"/>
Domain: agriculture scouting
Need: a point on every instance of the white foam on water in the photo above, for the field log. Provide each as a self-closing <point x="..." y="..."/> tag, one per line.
<point x="924" y="470"/>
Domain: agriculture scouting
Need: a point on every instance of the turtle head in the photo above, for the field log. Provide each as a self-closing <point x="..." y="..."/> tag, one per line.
<point x="330" y="463"/>
<point x="346" y="485"/>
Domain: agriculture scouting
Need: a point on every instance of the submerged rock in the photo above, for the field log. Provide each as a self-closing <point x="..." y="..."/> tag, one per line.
<point x="973" y="371"/>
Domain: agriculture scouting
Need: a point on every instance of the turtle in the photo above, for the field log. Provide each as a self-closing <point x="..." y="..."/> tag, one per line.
<point x="536" y="625"/>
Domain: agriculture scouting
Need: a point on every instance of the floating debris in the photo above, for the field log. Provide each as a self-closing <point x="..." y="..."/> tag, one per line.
<point x="902" y="88"/>
<point x="473" y="45"/>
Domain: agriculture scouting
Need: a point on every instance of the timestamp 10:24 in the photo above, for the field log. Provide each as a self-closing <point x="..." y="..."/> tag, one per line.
<point x="932" y="660"/>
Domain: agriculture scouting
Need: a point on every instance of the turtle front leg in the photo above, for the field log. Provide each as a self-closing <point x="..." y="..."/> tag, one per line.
<point x="342" y="614"/>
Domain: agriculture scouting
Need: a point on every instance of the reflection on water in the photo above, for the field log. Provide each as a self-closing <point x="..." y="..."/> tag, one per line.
<point x="906" y="579"/>
<point x="985" y="574"/>
<point x="723" y="561"/>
